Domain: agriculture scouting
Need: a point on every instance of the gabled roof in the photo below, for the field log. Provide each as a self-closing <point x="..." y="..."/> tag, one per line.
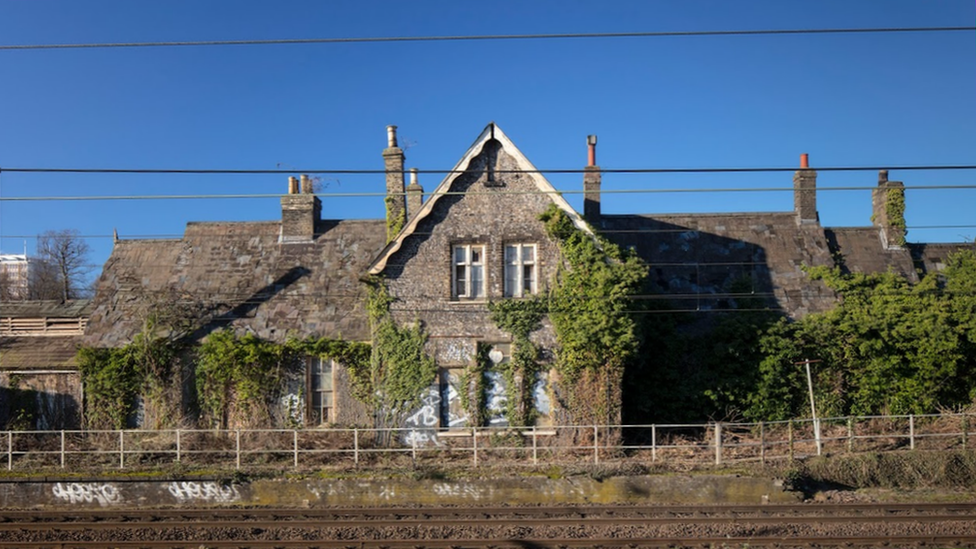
<point x="491" y="133"/>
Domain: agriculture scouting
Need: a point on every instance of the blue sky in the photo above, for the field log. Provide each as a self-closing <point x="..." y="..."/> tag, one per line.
<point x="847" y="100"/>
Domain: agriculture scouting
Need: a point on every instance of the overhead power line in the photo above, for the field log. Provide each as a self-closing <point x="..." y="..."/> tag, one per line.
<point x="460" y="193"/>
<point x="420" y="171"/>
<point x="238" y="234"/>
<point x="485" y="37"/>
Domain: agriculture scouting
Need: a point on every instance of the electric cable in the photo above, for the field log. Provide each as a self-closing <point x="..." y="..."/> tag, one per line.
<point x="487" y="37"/>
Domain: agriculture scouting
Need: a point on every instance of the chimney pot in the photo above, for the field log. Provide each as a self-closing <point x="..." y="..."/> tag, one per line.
<point x="292" y="185"/>
<point x="804" y="160"/>
<point x="306" y="185"/>
<point x="883" y="176"/>
<point x="591" y="146"/>
<point x="391" y="138"/>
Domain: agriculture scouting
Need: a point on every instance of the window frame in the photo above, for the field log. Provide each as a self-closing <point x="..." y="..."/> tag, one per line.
<point x="314" y="368"/>
<point x="469" y="267"/>
<point x="520" y="264"/>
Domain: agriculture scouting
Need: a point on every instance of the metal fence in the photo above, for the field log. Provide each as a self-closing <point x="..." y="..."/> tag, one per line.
<point x="302" y="449"/>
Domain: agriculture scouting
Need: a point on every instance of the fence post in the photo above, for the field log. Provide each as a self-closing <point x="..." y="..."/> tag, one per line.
<point x="653" y="442"/>
<point x="850" y="434"/>
<point x="237" y="437"/>
<point x="179" y="449"/>
<point x="762" y="443"/>
<point x="474" y="437"/>
<point x="295" y="445"/>
<point x="535" y="447"/>
<point x="911" y="431"/>
<point x="596" y="444"/>
<point x="355" y="446"/>
<point x="789" y="433"/>
<point x="718" y="443"/>
<point x="121" y="449"/>
<point x="62" y="448"/>
<point x="10" y="451"/>
<point x="965" y="428"/>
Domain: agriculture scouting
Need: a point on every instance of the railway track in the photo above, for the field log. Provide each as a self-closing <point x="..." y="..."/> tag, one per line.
<point x="854" y="525"/>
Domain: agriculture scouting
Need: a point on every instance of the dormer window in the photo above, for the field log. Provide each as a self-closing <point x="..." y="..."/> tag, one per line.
<point x="469" y="271"/>
<point x="520" y="270"/>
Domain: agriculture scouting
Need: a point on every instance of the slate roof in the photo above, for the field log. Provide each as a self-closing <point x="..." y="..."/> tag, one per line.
<point x="860" y="250"/>
<point x="74" y="308"/>
<point x="39" y="353"/>
<point x="697" y="258"/>
<point x="246" y="277"/>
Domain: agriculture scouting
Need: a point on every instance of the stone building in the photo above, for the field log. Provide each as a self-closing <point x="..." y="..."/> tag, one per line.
<point x="444" y="254"/>
<point x="40" y="386"/>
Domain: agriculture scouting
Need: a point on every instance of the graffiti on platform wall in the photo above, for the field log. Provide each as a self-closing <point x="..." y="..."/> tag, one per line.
<point x="87" y="492"/>
<point x="210" y="492"/>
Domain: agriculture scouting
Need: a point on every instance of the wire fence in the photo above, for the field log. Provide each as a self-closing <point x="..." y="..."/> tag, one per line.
<point x="679" y="445"/>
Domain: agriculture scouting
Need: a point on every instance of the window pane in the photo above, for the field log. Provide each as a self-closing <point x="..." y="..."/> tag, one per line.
<point x="528" y="278"/>
<point x="475" y="254"/>
<point x="528" y="254"/>
<point x="511" y="254"/>
<point x="460" y="255"/>
<point x="477" y="280"/>
<point x="460" y="280"/>
<point x="327" y="400"/>
<point x="511" y="280"/>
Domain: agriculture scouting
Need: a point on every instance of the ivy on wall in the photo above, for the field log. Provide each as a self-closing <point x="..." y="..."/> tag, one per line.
<point x="895" y="211"/>
<point x="400" y="370"/>
<point x="235" y="375"/>
<point x="394" y="223"/>
<point x="589" y="304"/>
<point x="113" y="378"/>
<point x="519" y="317"/>
<point x="889" y="346"/>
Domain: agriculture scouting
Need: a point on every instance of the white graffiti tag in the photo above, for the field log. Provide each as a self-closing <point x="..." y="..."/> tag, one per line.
<point x="76" y="492"/>
<point x="203" y="491"/>
<point x="423" y="422"/>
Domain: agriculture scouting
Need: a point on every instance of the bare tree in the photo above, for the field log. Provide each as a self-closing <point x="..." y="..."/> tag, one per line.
<point x="62" y="264"/>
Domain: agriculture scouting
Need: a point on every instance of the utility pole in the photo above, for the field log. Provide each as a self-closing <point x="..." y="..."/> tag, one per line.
<point x="813" y="409"/>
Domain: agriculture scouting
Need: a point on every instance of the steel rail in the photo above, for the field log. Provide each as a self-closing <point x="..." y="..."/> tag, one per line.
<point x="907" y="540"/>
<point x="284" y="514"/>
<point x="601" y="521"/>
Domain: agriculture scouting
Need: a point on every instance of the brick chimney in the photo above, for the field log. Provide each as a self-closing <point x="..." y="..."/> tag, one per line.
<point x="415" y="195"/>
<point x="888" y="210"/>
<point x="591" y="184"/>
<point x="805" y="193"/>
<point x="396" y="200"/>
<point x="300" y="210"/>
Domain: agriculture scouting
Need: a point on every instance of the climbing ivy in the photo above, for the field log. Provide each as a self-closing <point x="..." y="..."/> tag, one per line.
<point x="394" y="223"/>
<point x="520" y="317"/>
<point x="889" y="346"/>
<point x="589" y="305"/>
<point x="113" y="378"/>
<point x="244" y="370"/>
<point x="400" y="369"/>
<point x="895" y="211"/>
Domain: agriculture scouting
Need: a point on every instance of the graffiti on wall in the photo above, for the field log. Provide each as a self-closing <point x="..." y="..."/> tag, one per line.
<point x="87" y="492"/>
<point x="210" y="492"/>
<point x="422" y="425"/>
<point x="497" y="399"/>
<point x="440" y="407"/>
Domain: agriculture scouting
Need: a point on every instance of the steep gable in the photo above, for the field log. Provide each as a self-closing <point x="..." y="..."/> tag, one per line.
<point x="518" y="167"/>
